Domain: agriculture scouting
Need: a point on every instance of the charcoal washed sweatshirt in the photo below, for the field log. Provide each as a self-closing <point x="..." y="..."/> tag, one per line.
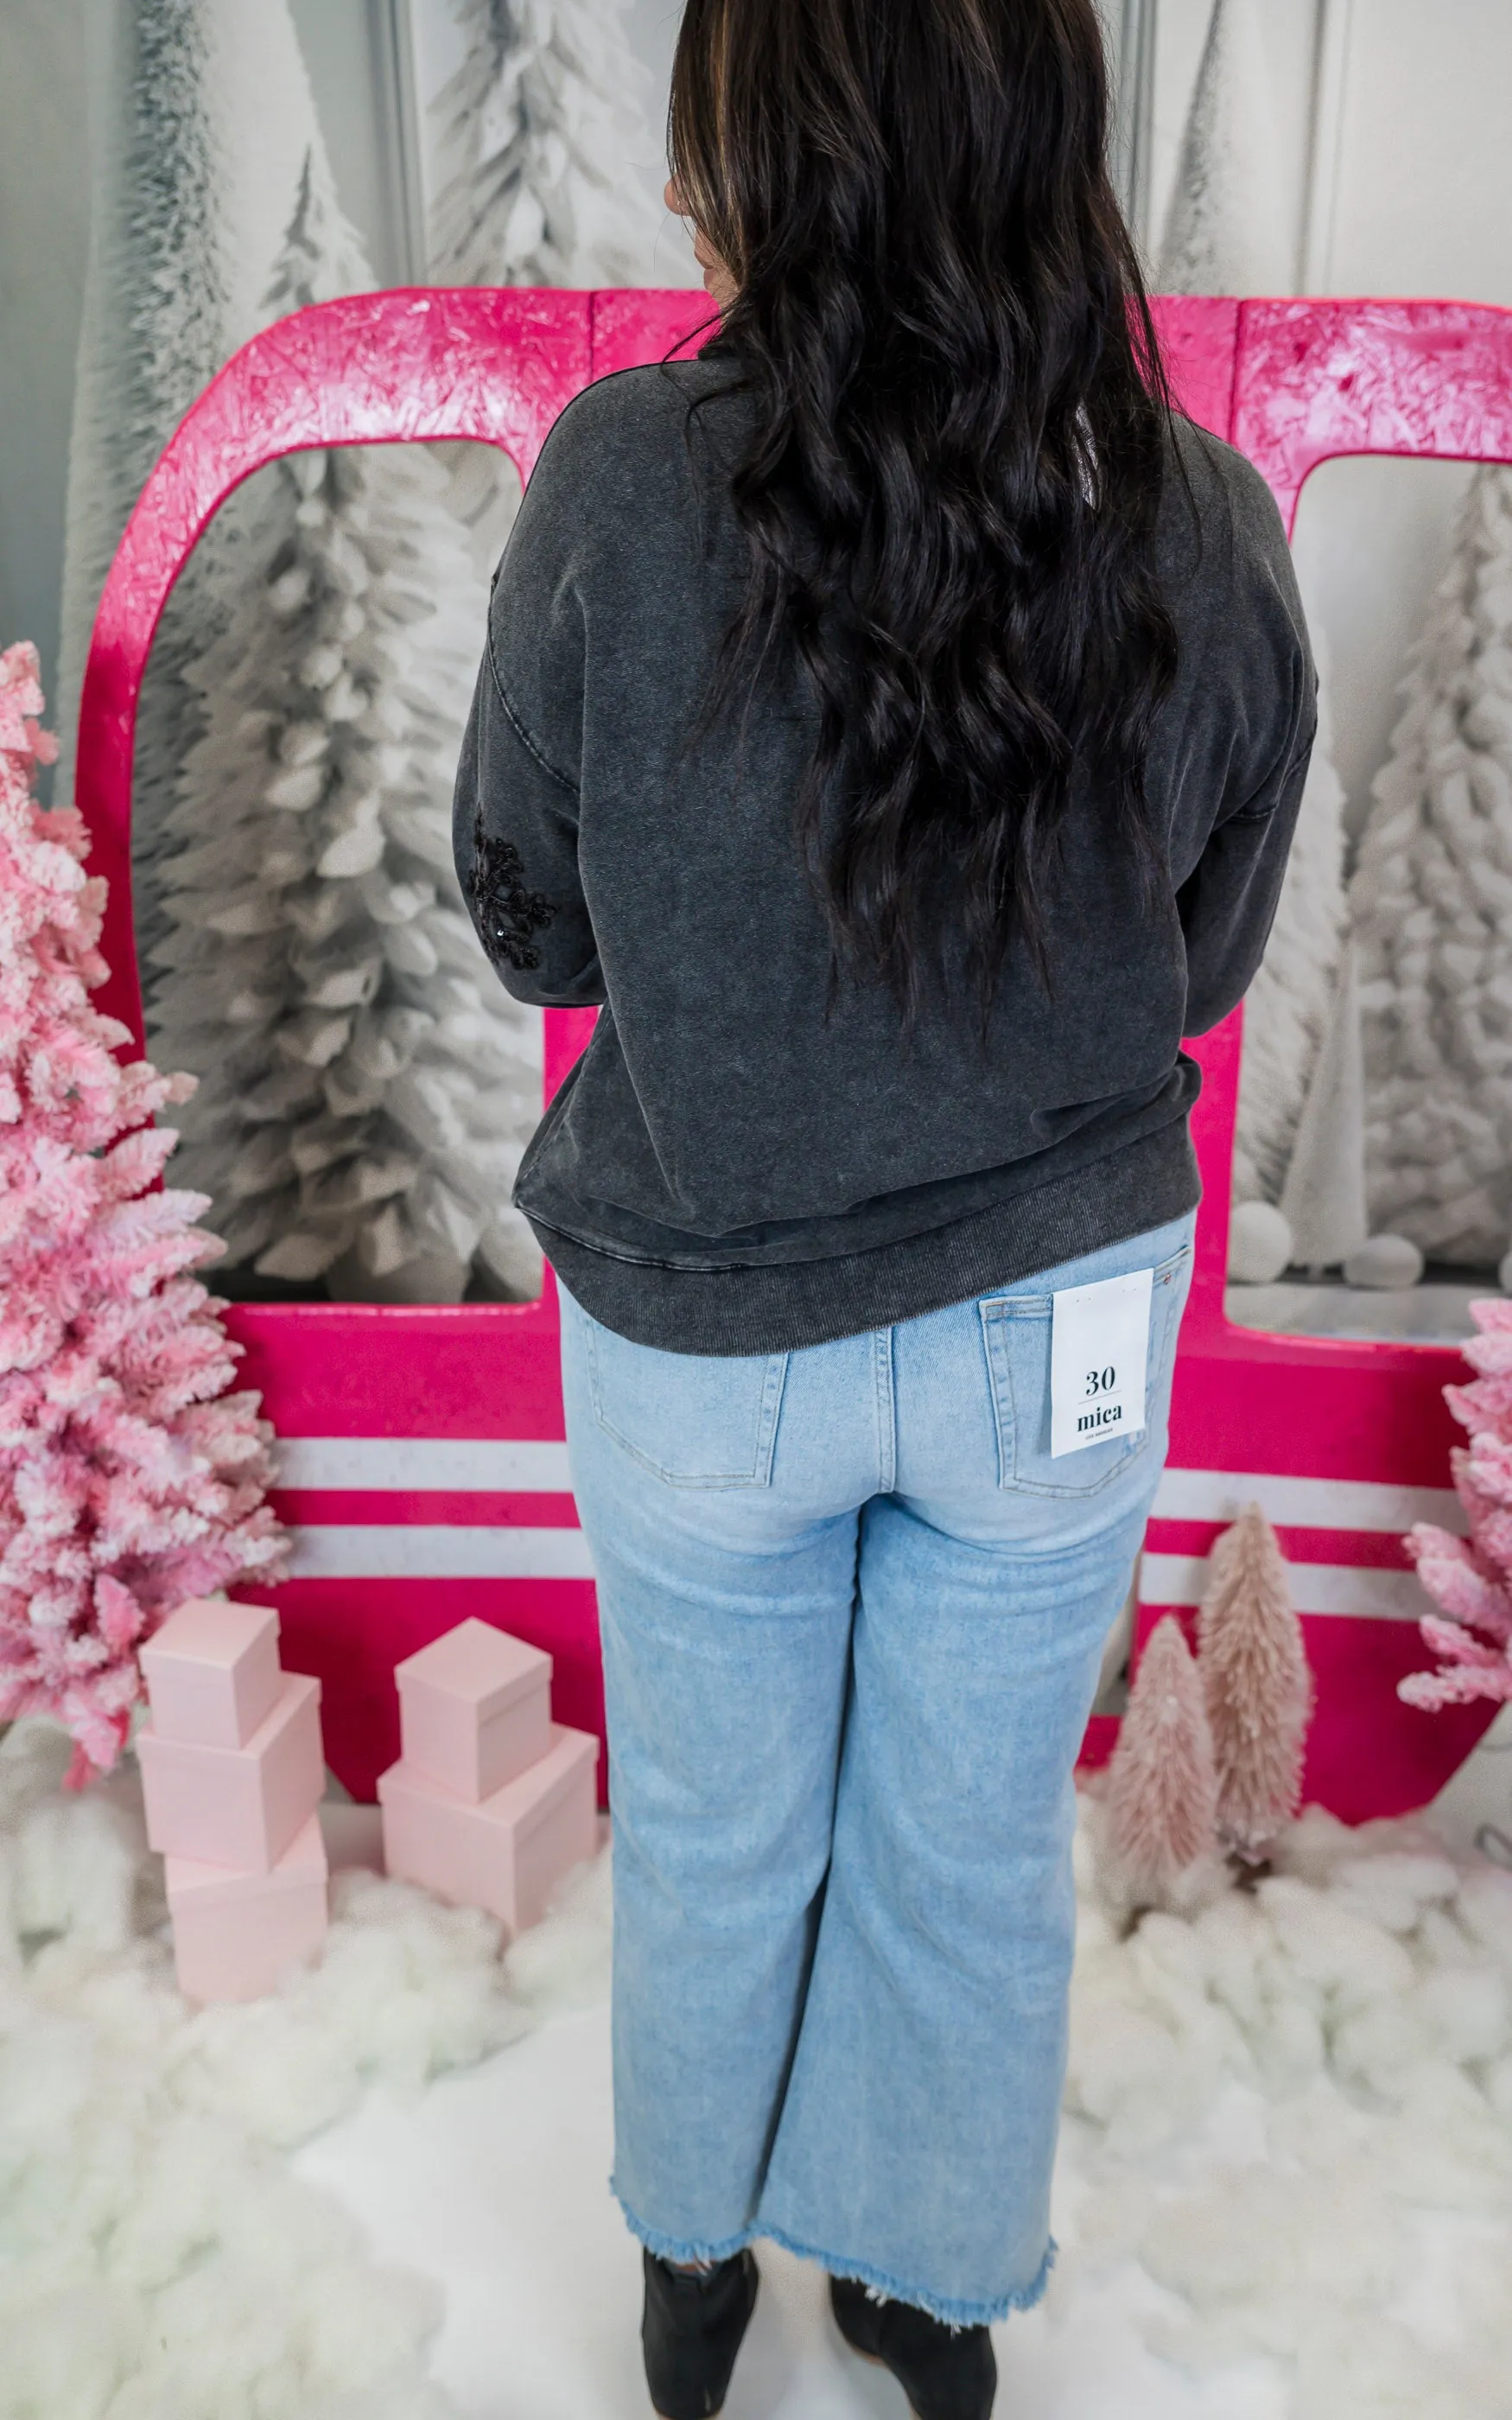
<point x="749" y="1158"/>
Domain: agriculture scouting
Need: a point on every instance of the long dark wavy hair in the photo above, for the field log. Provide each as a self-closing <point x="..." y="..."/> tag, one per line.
<point x="960" y="441"/>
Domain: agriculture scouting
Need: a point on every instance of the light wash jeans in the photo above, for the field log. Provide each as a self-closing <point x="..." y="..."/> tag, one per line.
<point x="853" y="1614"/>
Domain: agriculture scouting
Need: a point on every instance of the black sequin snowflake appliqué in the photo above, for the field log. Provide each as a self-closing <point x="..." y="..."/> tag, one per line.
<point x="508" y="915"/>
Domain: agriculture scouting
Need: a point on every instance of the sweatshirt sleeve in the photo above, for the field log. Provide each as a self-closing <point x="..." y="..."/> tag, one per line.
<point x="1228" y="904"/>
<point x="514" y="811"/>
<point x="515" y="839"/>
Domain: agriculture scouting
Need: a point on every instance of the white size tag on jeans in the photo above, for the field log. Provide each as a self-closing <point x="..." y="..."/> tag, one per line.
<point x="1099" y="1346"/>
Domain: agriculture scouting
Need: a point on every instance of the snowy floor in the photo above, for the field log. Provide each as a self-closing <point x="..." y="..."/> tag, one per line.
<point x="1285" y="2188"/>
<point x="496" y="2184"/>
<point x="1284" y="2192"/>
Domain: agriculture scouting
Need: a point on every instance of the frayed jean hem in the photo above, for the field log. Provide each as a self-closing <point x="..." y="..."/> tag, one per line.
<point x="939" y="2306"/>
<point x="674" y="2248"/>
<point x="952" y="2313"/>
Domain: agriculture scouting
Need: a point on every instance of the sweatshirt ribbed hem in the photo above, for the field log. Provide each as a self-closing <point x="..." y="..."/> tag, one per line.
<point x="783" y="1308"/>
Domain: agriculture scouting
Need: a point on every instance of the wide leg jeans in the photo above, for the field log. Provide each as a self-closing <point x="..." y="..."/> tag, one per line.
<point x="852" y="1616"/>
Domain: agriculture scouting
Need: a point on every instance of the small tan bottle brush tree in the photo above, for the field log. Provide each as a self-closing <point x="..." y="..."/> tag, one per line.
<point x="1255" y="1683"/>
<point x="1163" y="1788"/>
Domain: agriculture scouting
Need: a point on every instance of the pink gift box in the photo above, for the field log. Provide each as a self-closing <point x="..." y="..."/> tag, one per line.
<point x="474" y="1710"/>
<point x="212" y="1672"/>
<point x="236" y="1933"/>
<point x="508" y="1853"/>
<point x="237" y="1806"/>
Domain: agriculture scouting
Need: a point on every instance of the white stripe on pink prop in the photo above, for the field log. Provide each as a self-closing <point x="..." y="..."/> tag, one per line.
<point x="428" y="1551"/>
<point x="490" y="1465"/>
<point x="539" y="1465"/>
<point x="1303" y="1503"/>
<point x="1315" y="1588"/>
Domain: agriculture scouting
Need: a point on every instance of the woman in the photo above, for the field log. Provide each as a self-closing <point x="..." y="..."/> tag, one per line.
<point x="895" y="720"/>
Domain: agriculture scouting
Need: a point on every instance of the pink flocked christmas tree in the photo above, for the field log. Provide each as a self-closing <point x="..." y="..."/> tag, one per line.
<point x="1469" y="1578"/>
<point x="1163" y="1788"/>
<point x="130" y="1481"/>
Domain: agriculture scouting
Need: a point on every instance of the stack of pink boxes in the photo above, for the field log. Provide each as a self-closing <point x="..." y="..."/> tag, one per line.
<point x="232" y="1774"/>
<point x="491" y="1802"/>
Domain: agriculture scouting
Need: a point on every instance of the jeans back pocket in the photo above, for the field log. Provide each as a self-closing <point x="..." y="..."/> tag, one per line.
<point x="695" y="1421"/>
<point x="1016" y="1329"/>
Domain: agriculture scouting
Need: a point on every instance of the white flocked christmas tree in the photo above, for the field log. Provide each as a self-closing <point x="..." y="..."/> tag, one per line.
<point x="540" y="135"/>
<point x="366" y="1084"/>
<point x="1323" y="1200"/>
<point x="203" y="114"/>
<point x="1226" y="226"/>
<point x="1431" y="900"/>
<point x="539" y="140"/>
<point x="152" y="334"/>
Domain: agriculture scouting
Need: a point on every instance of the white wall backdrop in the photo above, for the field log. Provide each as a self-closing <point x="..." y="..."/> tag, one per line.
<point x="49" y="52"/>
<point x="44" y="242"/>
<point x="1422" y="204"/>
<point x="1415" y="199"/>
<point x="358" y="55"/>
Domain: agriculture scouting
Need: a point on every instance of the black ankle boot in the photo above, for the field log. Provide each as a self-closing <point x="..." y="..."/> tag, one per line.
<point x="691" y="2331"/>
<point x="947" y="2373"/>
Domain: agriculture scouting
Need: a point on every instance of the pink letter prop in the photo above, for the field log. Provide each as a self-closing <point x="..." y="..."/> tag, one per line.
<point x="424" y="1462"/>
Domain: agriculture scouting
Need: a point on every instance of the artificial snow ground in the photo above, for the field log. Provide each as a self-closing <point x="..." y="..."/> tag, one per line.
<point x="1285" y="2189"/>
